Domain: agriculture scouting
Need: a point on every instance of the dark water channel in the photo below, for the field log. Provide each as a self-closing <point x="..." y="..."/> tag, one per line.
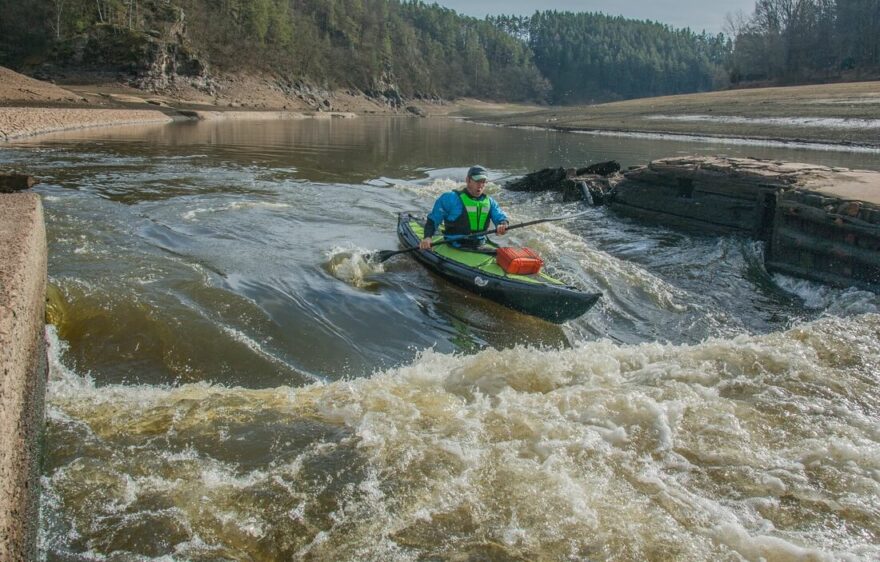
<point x="231" y="381"/>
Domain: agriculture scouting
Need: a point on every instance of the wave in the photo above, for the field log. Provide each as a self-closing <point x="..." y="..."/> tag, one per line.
<point x="752" y="446"/>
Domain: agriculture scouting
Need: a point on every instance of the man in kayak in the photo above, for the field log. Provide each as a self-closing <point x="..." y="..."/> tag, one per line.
<point x="465" y="212"/>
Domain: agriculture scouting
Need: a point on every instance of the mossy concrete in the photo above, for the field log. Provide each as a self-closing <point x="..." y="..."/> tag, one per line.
<point x="23" y="370"/>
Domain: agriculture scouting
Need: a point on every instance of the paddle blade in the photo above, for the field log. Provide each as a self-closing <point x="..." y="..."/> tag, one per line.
<point x="381" y="256"/>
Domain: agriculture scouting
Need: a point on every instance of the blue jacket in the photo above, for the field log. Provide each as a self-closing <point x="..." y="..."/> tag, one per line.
<point x="449" y="207"/>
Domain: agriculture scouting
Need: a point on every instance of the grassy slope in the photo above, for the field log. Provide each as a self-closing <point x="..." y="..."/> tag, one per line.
<point x="857" y="100"/>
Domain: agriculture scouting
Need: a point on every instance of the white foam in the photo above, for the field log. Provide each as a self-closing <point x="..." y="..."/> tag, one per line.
<point x="773" y="485"/>
<point x="438" y="186"/>
<point x="259" y="349"/>
<point x="353" y="265"/>
<point x="818" y="296"/>
<point x="543" y="451"/>
<point x="557" y="241"/>
<point x="193" y="214"/>
<point x="763" y="547"/>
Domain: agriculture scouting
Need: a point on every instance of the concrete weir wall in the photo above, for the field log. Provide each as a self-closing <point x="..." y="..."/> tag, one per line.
<point x="23" y="370"/>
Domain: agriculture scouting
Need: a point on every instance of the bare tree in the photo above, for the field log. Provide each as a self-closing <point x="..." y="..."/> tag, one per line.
<point x="132" y="6"/>
<point x="735" y="23"/>
<point x="58" y="5"/>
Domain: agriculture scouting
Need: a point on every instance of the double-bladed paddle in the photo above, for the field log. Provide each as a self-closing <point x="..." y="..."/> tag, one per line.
<point x="384" y="255"/>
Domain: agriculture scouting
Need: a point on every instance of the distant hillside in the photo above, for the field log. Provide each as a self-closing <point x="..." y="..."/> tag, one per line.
<point x="386" y="48"/>
<point x="594" y="57"/>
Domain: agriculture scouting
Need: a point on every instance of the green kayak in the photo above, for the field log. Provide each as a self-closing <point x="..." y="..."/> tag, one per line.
<point x="538" y="294"/>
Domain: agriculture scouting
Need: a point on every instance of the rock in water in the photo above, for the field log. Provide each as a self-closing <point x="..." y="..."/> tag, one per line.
<point x="10" y="183"/>
<point x="554" y="178"/>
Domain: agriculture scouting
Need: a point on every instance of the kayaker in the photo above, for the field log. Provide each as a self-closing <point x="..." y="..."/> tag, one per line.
<point x="464" y="212"/>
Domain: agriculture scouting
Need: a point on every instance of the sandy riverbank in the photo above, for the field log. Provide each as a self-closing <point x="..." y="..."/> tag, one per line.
<point x="27" y="121"/>
<point x="17" y="122"/>
<point x="30" y="107"/>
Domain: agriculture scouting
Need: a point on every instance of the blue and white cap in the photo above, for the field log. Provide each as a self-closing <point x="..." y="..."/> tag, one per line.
<point x="478" y="173"/>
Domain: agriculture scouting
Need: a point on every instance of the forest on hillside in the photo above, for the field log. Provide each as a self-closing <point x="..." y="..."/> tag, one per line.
<point x="588" y="56"/>
<point x="425" y="50"/>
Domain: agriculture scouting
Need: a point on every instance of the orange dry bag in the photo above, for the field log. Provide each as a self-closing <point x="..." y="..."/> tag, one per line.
<point x="521" y="261"/>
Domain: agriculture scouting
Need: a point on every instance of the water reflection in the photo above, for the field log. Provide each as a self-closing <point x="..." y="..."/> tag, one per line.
<point x="368" y="148"/>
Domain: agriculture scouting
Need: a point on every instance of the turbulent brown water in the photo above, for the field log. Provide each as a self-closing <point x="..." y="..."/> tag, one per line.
<point x="231" y="381"/>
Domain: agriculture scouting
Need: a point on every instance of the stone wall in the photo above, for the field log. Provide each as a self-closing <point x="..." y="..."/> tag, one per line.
<point x="23" y="370"/>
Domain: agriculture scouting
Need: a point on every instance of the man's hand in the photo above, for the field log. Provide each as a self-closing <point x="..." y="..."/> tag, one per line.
<point x="502" y="228"/>
<point x="425" y="244"/>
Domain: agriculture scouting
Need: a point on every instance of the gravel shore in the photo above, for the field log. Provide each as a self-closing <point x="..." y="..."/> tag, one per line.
<point x="32" y="107"/>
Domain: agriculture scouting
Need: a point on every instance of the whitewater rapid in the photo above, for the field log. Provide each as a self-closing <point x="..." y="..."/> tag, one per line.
<point x="754" y="447"/>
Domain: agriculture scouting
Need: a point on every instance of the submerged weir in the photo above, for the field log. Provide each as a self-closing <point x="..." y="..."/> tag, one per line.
<point x="230" y="381"/>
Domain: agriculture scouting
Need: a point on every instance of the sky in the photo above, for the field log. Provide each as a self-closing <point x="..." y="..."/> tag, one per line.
<point x="699" y="15"/>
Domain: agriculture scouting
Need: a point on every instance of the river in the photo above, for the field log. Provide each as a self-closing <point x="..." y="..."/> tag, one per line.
<point x="230" y="380"/>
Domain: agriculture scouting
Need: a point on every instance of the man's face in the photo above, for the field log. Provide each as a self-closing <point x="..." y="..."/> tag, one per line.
<point x="475" y="188"/>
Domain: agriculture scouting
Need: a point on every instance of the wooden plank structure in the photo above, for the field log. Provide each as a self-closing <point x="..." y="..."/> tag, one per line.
<point x="828" y="229"/>
<point x="707" y="194"/>
<point x="818" y="222"/>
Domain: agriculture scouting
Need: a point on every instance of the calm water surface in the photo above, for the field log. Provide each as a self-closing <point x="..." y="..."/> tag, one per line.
<point x="231" y="381"/>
